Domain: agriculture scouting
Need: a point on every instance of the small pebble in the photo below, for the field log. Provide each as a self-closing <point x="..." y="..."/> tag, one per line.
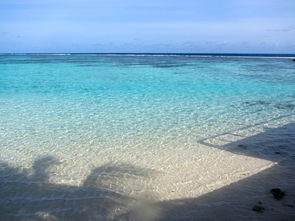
<point x="277" y="193"/>
<point x="258" y="208"/>
<point x="242" y="146"/>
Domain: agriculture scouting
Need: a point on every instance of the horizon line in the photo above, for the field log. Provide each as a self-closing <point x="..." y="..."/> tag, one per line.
<point x="151" y="53"/>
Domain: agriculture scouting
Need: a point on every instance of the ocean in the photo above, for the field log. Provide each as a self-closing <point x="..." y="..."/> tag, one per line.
<point x="131" y="125"/>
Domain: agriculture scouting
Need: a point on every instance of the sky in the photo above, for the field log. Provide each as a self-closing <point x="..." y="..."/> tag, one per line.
<point x="159" y="26"/>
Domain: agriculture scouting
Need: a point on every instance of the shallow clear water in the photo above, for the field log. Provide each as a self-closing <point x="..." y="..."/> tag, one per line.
<point x="148" y="111"/>
<point x="88" y="99"/>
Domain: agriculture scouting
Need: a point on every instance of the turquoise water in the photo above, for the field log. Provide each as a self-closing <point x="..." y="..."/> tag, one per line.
<point x="89" y="99"/>
<point x="70" y="100"/>
<point x="87" y="110"/>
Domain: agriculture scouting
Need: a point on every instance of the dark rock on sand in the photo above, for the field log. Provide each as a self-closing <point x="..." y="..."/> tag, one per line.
<point x="277" y="193"/>
<point x="242" y="146"/>
<point x="258" y="207"/>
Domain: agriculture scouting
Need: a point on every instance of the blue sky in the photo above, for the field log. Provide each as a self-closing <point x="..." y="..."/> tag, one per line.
<point x="263" y="26"/>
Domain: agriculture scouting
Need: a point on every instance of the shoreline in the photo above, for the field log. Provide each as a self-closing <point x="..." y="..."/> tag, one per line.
<point x="180" y="191"/>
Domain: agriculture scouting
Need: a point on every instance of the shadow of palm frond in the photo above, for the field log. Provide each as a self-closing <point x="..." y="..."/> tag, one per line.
<point x="27" y="194"/>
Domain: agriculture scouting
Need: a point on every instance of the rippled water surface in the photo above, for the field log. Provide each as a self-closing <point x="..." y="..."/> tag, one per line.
<point x="83" y="112"/>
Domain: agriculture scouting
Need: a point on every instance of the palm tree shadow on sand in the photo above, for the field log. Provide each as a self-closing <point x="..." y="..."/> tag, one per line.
<point x="28" y="194"/>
